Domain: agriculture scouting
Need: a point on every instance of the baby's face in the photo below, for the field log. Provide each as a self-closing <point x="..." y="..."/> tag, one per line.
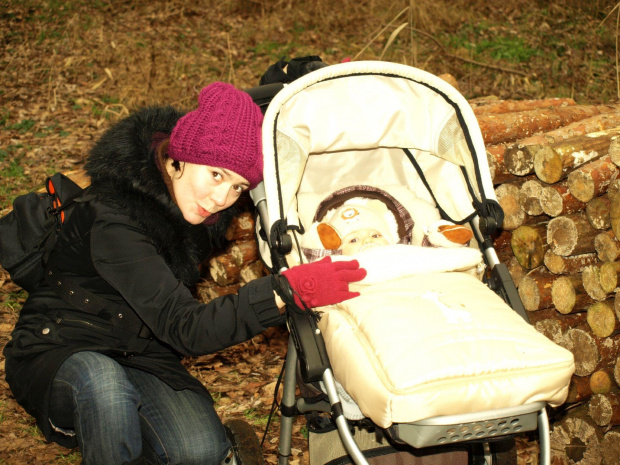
<point x="361" y="239"/>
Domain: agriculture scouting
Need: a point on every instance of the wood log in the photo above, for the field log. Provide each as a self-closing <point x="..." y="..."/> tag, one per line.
<point x="585" y="350"/>
<point x="241" y="227"/>
<point x="224" y="269"/>
<point x="572" y="264"/>
<point x="604" y="409"/>
<point x="556" y="200"/>
<point x="507" y="127"/>
<point x="583" y="388"/>
<point x="594" y="283"/>
<point x="598" y="212"/>
<point x="529" y="245"/>
<point x="610" y="447"/>
<point x="601" y="381"/>
<point x="508" y="197"/>
<point x="509" y="106"/>
<point x="569" y="295"/>
<point x="576" y="439"/>
<point x="616" y="371"/>
<point x="252" y="271"/>
<point x="554" y="325"/>
<point x="529" y="197"/>
<point x="592" y="179"/>
<point x="571" y="235"/>
<point x="607" y="246"/>
<point x="244" y="251"/>
<point x="614" y="210"/>
<point x="519" y="156"/>
<point x="602" y="319"/>
<point x="614" y="151"/>
<point x="552" y="163"/>
<point x="535" y="289"/>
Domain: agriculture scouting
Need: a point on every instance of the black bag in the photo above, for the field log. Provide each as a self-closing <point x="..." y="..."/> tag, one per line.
<point x="29" y="232"/>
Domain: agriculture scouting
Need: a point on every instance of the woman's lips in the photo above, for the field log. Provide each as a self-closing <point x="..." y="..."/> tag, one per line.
<point x="204" y="213"/>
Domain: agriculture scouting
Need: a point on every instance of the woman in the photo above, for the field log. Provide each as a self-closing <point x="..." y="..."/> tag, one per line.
<point x="96" y="354"/>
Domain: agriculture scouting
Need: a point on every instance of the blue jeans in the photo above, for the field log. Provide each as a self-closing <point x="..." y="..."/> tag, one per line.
<point x="120" y="415"/>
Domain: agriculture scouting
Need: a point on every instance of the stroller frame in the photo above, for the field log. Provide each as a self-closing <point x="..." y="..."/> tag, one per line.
<point x="306" y="349"/>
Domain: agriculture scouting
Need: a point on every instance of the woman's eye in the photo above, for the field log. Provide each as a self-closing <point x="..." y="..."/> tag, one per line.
<point x="217" y="176"/>
<point x="238" y="189"/>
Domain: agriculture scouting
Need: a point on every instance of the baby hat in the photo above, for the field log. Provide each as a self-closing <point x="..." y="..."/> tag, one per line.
<point x="372" y="214"/>
<point x="224" y="131"/>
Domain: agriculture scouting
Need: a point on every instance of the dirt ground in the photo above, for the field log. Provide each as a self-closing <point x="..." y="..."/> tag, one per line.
<point x="68" y="69"/>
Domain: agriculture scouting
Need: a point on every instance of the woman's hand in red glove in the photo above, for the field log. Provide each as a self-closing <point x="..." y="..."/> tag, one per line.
<point x="324" y="282"/>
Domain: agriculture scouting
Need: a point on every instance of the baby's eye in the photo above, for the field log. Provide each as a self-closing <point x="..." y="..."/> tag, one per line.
<point x="353" y="241"/>
<point x="377" y="236"/>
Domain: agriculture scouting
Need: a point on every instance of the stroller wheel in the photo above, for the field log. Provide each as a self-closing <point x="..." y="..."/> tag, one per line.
<point x="244" y="442"/>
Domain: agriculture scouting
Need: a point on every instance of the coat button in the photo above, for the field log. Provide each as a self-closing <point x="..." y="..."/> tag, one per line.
<point x="120" y="315"/>
<point x="45" y="331"/>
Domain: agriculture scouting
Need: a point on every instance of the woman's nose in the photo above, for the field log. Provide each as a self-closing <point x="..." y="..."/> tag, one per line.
<point x="219" y="195"/>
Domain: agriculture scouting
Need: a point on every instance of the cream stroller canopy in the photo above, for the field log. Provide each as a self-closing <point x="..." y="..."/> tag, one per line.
<point x="374" y="123"/>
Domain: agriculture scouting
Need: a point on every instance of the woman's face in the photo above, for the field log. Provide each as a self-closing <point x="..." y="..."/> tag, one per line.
<point x="201" y="190"/>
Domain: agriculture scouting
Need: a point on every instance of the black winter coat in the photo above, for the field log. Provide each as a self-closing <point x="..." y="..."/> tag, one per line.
<point x="130" y="245"/>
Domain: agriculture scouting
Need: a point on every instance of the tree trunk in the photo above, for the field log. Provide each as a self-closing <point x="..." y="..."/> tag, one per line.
<point x="592" y="179"/>
<point x="571" y="235"/>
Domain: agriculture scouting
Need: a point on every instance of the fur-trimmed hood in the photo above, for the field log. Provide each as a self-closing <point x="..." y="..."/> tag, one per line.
<point x="124" y="175"/>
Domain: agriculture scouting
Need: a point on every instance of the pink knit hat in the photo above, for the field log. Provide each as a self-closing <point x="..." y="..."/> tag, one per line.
<point x="224" y="131"/>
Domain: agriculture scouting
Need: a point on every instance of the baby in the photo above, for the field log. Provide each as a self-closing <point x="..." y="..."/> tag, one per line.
<point x="357" y="226"/>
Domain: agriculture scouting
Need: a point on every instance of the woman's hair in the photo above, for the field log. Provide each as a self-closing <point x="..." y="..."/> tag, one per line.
<point x="161" y="152"/>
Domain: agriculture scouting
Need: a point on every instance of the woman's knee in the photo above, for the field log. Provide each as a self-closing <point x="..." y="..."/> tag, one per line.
<point x="96" y="379"/>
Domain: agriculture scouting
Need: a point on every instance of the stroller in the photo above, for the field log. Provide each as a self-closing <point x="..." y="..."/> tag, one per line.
<point x="471" y="380"/>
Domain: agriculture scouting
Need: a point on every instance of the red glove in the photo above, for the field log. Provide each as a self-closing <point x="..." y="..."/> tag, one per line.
<point x="324" y="282"/>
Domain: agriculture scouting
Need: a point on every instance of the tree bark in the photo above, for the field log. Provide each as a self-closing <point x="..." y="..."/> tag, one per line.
<point x="592" y="179"/>
<point x="224" y="269"/>
<point x="252" y="271"/>
<point x="571" y="235"/>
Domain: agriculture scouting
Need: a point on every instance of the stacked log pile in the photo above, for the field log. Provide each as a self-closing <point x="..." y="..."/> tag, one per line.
<point x="556" y="173"/>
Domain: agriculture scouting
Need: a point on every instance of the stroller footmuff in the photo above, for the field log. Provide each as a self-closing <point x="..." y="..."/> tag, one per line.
<point x="436" y="351"/>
